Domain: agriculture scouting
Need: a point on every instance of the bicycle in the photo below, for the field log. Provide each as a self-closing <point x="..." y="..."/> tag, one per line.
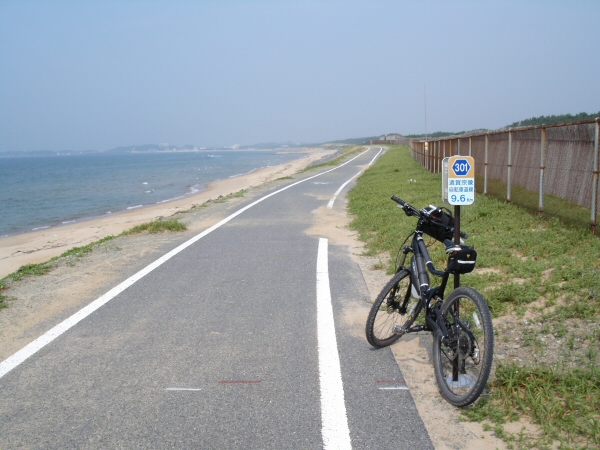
<point x="463" y="336"/>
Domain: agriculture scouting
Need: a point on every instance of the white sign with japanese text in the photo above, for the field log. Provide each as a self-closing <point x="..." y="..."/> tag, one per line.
<point x="459" y="180"/>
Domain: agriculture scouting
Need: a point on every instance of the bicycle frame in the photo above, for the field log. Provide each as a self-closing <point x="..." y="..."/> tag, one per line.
<point x="420" y="263"/>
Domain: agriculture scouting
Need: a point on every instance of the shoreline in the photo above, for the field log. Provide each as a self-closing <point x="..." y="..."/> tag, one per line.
<point x="39" y="246"/>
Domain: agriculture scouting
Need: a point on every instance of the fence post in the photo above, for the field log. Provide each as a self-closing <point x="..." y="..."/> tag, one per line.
<point x="485" y="169"/>
<point x="595" y="178"/>
<point x="470" y="146"/>
<point x="429" y="157"/>
<point x="508" y="190"/>
<point x="458" y="147"/>
<point x="544" y="145"/>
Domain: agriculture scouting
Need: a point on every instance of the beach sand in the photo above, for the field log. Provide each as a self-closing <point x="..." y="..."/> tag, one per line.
<point x="39" y="246"/>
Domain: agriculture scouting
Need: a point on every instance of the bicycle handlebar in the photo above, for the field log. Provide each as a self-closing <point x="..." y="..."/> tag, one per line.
<point x="410" y="210"/>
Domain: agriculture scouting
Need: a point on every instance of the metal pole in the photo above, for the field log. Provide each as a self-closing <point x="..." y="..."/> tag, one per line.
<point x="456" y="238"/>
<point x="509" y="165"/>
<point x="485" y="169"/>
<point x="544" y="144"/>
<point x="595" y="179"/>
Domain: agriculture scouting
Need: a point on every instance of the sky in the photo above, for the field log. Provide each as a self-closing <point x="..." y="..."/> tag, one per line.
<point x="94" y="75"/>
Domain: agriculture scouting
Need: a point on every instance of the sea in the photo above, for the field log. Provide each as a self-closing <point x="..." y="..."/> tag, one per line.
<point x="38" y="192"/>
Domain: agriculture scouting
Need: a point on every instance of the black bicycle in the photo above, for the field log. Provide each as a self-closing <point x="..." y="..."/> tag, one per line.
<point x="463" y="337"/>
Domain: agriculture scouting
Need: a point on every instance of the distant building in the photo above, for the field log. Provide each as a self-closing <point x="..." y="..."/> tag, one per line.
<point x="391" y="138"/>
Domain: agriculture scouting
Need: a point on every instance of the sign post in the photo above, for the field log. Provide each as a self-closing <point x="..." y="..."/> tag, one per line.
<point x="458" y="188"/>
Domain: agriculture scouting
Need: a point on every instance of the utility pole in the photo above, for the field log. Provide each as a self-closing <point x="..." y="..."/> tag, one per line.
<point x="425" y="98"/>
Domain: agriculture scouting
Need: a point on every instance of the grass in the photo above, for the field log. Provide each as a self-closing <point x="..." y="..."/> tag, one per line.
<point x="347" y="152"/>
<point x="237" y="194"/>
<point x="157" y="226"/>
<point x="543" y="265"/>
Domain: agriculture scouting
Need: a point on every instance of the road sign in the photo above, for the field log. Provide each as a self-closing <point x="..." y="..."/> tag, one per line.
<point x="461" y="167"/>
<point x="458" y="180"/>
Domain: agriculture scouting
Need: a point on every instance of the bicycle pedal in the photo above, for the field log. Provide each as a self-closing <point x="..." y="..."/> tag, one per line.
<point x="399" y="330"/>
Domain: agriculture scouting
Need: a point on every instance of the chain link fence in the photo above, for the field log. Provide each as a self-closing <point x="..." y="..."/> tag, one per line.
<point x="536" y="167"/>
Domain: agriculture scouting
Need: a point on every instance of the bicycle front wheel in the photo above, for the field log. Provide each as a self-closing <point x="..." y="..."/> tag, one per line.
<point x="394" y="306"/>
<point x="463" y="360"/>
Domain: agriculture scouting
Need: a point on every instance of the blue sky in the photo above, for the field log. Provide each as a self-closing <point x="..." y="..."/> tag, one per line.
<point x="92" y="75"/>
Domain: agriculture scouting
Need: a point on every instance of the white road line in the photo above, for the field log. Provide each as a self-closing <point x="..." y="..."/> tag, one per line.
<point x="395" y="388"/>
<point x="330" y="204"/>
<point x="182" y="389"/>
<point x="33" y="347"/>
<point x="373" y="160"/>
<point x="334" y="421"/>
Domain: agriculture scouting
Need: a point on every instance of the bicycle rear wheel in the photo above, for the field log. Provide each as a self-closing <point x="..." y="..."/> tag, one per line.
<point x="393" y="306"/>
<point x="463" y="361"/>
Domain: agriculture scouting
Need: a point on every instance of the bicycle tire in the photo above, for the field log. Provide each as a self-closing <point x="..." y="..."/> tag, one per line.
<point x="384" y="316"/>
<point x="461" y="370"/>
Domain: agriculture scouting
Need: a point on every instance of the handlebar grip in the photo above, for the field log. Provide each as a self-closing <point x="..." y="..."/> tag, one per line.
<point x="398" y="200"/>
<point x="464" y="235"/>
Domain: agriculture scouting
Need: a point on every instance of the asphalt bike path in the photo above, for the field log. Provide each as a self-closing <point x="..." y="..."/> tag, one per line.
<point x="223" y="345"/>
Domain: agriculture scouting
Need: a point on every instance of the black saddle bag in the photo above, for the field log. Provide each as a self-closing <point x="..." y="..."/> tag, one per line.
<point x="463" y="260"/>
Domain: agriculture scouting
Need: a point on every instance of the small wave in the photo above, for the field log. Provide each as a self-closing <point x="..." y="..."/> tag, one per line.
<point x="145" y="182"/>
<point x="197" y="188"/>
<point x="69" y="221"/>
<point x="134" y="207"/>
<point x="40" y="228"/>
<point x="170" y="199"/>
<point x="109" y="212"/>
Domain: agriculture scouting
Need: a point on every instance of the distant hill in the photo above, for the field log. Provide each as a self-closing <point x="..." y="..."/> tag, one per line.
<point x="153" y="148"/>
<point x="437" y="134"/>
<point x="266" y="145"/>
<point x="354" y="141"/>
<point x="549" y="120"/>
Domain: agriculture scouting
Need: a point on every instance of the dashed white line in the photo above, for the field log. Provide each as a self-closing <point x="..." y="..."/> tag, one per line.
<point x="182" y="389"/>
<point x="334" y="421"/>
<point x="33" y="347"/>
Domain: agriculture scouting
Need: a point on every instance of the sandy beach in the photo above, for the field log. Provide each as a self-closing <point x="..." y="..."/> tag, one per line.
<point x="39" y="246"/>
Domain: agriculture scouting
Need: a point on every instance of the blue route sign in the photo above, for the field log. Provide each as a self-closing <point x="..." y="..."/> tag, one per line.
<point x="461" y="167"/>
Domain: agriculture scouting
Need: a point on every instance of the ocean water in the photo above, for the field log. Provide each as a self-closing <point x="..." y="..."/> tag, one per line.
<point x="38" y="192"/>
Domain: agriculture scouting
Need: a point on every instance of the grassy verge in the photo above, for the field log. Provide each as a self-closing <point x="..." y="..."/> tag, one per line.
<point x="541" y="278"/>
<point x="347" y="152"/>
<point x="156" y="226"/>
